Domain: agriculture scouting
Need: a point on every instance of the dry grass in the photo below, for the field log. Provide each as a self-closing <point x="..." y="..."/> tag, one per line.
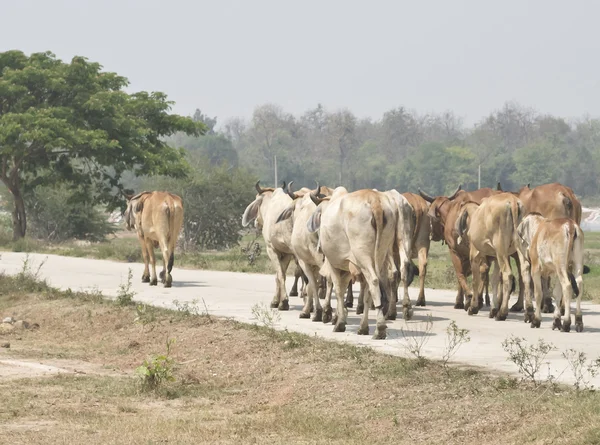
<point x="241" y="384"/>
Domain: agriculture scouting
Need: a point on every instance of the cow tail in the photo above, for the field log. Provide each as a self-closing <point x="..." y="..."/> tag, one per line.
<point x="378" y="224"/>
<point x="571" y="237"/>
<point x="170" y="218"/>
<point x="516" y="213"/>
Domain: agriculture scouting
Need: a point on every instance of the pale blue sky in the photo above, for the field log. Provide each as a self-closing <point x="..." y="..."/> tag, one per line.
<point x="227" y="56"/>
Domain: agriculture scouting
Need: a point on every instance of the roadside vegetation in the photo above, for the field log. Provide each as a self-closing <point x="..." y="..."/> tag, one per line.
<point x="137" y="374"/>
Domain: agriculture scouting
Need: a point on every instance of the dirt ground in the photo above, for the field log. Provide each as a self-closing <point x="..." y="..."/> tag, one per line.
<point x="237" y="384"/>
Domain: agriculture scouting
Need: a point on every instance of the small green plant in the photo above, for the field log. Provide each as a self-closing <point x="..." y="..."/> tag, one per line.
<point x="455" y="338"/>
<point x="187" y="308"/>
<point x="157" y="370"/>
<point x="528" y="358"/>
<point x="126" y="293"/>
<point x="417" y="338"/>
<point x="582" y="369"/>
<point x="265" y="315"/>
<point x="145" y="315"/>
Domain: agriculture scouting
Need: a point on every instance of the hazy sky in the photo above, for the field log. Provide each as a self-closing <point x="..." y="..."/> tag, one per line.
<point x="226" y="57"/>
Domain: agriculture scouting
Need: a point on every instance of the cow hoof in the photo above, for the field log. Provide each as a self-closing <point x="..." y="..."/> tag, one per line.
<point x="548" y="309"/>
<point x="334" y="319"/>
<point x="284" y="306"/>
<point x="363" y="330"/>
<point x="360" y="310"/>
<point x="528" y="318"/>
<point x="339" y="327"/>
<point x="168" y="284"/>
<point x="318" y="315"/>
<point x="517" y="307"/>
<point x="372" y="306"/>
<point x="501" y="316"/>
<point x="145" y="279"/>
<point x="274" y="304"/>
<point x="566" y="327"/>
<point x="349" y="304"/>
<point x="420" y="302"/>
<point x="327" y="315"/>
<point x="304" y="315"/>
<point x="493" y="312"/>
<point x="380" y="333"/>
<point x="536" y="322"/>
<point x="480" y="303"/>
<point x="579" y="323"/>
<point x="557" y="324"/>
<point x="467" y="304"/>
<point x="562" y="311"/>
<point x="391" y="316"/>
<point x="473" y="310"/>
<point x="293" y="293"/>
<point x="487" y="301"/>
<point x="154" y="282"/>
<point x="407" y="313"/>
<point x="460" y="305"/>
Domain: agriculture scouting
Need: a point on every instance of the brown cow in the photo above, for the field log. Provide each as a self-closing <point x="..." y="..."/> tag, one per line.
<point x="492" y="232"/>
<point x="553" y="247"/>
<point x="157" y="217"/>
<point x="552" y="201"/>
<point x="443" y="213"/>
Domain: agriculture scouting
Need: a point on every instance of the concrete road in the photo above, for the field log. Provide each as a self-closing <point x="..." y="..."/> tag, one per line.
<point x="233" y="295"/>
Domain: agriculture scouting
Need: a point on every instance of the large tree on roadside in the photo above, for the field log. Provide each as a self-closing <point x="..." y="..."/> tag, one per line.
<point x="73" y="123"/>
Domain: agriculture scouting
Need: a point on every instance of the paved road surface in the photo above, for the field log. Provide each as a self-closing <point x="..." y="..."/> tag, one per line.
<point x="234" y="294"/>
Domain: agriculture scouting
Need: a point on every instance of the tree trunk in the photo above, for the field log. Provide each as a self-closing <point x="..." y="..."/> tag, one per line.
<point x="19" y="217"/>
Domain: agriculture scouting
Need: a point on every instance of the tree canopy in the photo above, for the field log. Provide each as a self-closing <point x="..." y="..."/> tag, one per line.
<point x="74" y="123"/>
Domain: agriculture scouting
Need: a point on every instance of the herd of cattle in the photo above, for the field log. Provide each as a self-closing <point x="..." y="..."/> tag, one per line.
<point x="339" y="238"/>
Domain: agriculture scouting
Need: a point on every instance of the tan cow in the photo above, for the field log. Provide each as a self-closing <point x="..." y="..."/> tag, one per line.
<point x="551" y="201"/>
<point x="157" y="217"/>
<point x="265" y="209"/>
<point x="305" y="247"/>
<point x="357" y="233"/>
<point x="443" y="213"/>
<point x="492" y="230"/>
<point x="553" y="247"/>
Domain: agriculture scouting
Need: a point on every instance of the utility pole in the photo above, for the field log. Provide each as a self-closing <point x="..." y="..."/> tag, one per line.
<point x="275" y="166"/>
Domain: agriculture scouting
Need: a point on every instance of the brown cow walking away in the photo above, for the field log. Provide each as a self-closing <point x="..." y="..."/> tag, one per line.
<point x="157" y="217"/>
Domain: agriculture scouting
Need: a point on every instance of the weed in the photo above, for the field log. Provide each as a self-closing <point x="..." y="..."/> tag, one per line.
<point x="528" y="358"/>
<point x="265" y="315"/>
<point x="157" y="370"/>
<point x="582" y="369"/>
<point x="187" y="308"/>
<point x="126" y="293"/>
<point x="455" y="338"/>
<point x="417" y="338"/>
<point x="145" y="315"/>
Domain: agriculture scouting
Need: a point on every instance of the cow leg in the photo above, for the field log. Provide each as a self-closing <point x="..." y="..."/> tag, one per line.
<point x="146" y="257"/>
<point x="280" y="264"/>
<point x="486" y="281"/>
<point x="518" y="306"/>
<point x="507" y="277"/>
<point x="537" y="289"/>
<point x="165" y="274"/>
<point x="360" y="306"/>
<point x="349" y="296"/>
<point x="476" y="262"/>
<point x="496" y="284"/>
<point x="578" y="315"/>
<point x="152" y="258"/>
<point x="313" y="291"/>
<point x="422" y="274"/>
<point x="284" y="304"/>
<point x="377" y="295"/>
<point x="484" y="269"/>
<point x="340" y="282"/>
<point x="548" y="307"/>
<point x="393" y="298"/>
<point x="406" y="276"/>
<point x="567" y="292"/>
<point x="308" y="303"/>
<point x="322" y="287"/>
<point x="297" y="276"/>
<point x="327" y="312"/>
<point x="466" y="294"/>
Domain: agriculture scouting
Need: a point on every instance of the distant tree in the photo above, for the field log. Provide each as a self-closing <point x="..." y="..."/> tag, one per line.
<point x="341" y="130"/>
<point x="73" y="123"/>
<point x="209" y="122"/>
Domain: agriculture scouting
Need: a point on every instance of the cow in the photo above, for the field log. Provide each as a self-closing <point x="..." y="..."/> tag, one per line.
<point x="299" y="276"/>
<point x="305" y="247"/>
<point x="492" y="230"/>
<point x="443" y="213"/>
<point x="157" y="218"/>
<point x="357" y="233"/>
<point x="553" y="247"/>
<point x="265" y="209"/>
<point x="551" y="201"/>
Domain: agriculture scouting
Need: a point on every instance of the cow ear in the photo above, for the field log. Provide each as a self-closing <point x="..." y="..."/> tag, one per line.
<point x="314" y="222"/>
<point x="462" y="223"/>
<point x="287" y="213"/>
<point x="251" y="211"/>
<point x="139" y="206"/>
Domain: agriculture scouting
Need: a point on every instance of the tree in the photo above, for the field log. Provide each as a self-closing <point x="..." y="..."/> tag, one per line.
<point x="73" y="123"/>
<point x="341" y="128"/>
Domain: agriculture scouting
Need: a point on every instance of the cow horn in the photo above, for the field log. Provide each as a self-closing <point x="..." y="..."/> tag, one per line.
<point x="258" y="188"/>
<point x="283" y="185"/>
<point x="499" y="187"/>
<point x="426" y="197"/>
<point x="528" y="185"/>
<point x="289" y="190"/>
<point x="315" y="196"/>
<point x="455" y="193"/>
